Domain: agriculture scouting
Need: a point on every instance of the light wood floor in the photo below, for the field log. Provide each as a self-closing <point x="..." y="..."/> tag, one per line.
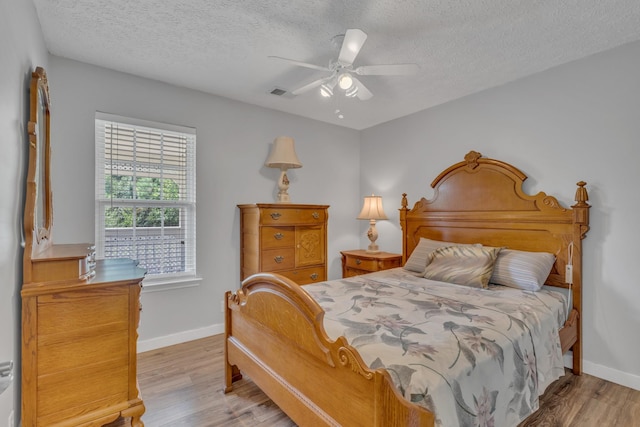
<point x="182" y="386"/>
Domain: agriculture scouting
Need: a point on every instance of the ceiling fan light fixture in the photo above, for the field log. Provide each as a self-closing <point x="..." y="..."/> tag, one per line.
<point x="345" y="81"/>
<point x="343" y="72"/>
<point x="326" y="91"/>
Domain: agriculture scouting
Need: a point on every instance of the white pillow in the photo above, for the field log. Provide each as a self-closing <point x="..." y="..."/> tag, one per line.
<point x="522" y="270"/>
<point x="419" y="258"/>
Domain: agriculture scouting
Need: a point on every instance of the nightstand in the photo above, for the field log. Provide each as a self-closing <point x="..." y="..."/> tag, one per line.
<point x="359" y="261"/>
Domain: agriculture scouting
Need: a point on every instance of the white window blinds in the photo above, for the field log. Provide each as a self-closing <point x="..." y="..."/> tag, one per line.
<point x="145" y="194"/>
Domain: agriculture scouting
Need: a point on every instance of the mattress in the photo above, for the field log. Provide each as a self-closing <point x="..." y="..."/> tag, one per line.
<point x="474" y="357"/>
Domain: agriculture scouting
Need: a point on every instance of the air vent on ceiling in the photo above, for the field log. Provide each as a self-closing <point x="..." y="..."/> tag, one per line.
<point x="281" y="92"/>
<point x="278" y="91"/>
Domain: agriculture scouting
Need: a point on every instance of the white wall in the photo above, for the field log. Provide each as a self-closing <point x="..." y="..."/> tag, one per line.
<point x="580" y="121"/>
<point x="21" y="50"/>
<point x="233" y="141"/>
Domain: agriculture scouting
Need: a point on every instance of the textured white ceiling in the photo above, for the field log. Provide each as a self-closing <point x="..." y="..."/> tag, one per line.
<point x="222" y="46"/>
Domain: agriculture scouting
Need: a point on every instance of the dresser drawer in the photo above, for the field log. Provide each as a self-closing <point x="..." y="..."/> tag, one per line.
<point x="277" y="237"/>
<point x="72" y="393"/>
<point x="304" y="276"/>
<point x="278" y="259"/>
<point x="77" y="310"/>
<point x="69" y="351"/>
<point x="272" y="216"/>
<point x="64" y="262"/>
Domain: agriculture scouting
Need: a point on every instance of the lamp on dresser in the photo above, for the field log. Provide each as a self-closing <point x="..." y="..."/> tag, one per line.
<point x="372" y="210"/>
<point x="283" y="155"/>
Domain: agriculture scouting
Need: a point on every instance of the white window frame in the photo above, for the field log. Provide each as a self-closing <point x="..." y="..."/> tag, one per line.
<point x="187" y="202"/>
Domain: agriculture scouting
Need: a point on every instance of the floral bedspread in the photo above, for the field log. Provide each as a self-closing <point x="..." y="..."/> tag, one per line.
<point x="474" y="357"/>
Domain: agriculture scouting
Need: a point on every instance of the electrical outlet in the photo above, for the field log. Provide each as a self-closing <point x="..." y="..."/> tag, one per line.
<point x="222" y="306"/>
<point x="11" y="421"/>
<point x="568" y="274"/>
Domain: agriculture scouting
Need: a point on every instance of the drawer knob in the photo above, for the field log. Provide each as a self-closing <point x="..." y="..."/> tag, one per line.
<point x="275" y="215"/>
<point x="315" y="215"/>
<point x="358" y="262"/>
<point x="278" y="236"/>
<point x="278" y="259"/>
<point x="314" y="276"/>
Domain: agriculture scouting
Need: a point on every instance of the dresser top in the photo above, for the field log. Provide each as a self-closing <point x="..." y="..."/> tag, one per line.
<point x="282" y="205"/>
<point x="108" y="272"/>
<point x="64" y="251"/>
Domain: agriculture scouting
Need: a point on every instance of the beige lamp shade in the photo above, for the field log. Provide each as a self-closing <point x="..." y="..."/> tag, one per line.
<point x="372" y="210"/>
<point x="283" y="156"/>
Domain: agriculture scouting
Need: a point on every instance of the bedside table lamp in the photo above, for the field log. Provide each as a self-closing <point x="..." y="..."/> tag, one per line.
<point x="372" y="210"/>
<point x="283" y="155"/>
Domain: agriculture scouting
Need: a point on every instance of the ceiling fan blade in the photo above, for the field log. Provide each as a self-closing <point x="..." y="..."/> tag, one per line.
<point x="363" y="93"/>
<point x="310" y="86"/>
<point x="351" y="45"/>
<point x="387" y="70"/>
<point x="301" y="64"/>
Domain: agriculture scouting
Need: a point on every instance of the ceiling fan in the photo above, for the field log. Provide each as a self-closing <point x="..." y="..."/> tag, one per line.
<point x="343" y="74"/>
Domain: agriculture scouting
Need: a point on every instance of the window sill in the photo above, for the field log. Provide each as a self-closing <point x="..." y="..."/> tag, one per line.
<point x="158" y="284"/>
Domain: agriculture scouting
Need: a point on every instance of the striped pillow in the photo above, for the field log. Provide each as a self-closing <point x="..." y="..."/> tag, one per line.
<point x="463" y="265"/>
<point x="419" y="258"/>
<point x="522" y="270"/>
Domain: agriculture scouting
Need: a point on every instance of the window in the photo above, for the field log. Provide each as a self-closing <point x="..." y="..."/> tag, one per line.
<point x="145" y="194"/>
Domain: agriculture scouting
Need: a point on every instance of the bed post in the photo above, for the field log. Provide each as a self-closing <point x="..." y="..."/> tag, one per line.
<point x="231" y="372"/>
<point x="403" y="224"/>
<point x="580" y="229"/>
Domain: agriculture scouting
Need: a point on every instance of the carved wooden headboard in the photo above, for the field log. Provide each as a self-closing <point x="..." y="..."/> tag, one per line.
<point x="481" y="200"/>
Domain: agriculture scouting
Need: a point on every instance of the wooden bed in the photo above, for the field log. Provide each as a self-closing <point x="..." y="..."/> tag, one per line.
<point x="274" y="329"/>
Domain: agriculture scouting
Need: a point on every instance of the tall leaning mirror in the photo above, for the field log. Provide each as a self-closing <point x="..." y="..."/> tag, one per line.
<point x="38" y="213"/>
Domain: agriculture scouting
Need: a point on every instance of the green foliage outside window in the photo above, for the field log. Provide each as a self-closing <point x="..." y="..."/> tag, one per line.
<point x="146" y="188"/>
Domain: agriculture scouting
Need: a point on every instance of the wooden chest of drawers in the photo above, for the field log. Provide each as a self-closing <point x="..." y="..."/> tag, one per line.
<point x="288" y="239"/>
<point x="79" y="346"/>
<point x="359" y="261"/>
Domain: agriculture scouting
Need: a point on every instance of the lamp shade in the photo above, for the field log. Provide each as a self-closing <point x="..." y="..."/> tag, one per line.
<point x="283" y="154"/>
<point x="372" y="208"/>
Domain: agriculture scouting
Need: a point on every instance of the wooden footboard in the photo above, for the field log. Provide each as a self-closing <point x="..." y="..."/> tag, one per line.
<point x="275" y="335"/>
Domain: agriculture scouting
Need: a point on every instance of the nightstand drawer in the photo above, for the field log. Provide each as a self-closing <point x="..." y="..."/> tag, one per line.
<point x="362" y="264"/>
<point x="350" y="272"/>
<point x="356" y="262"/>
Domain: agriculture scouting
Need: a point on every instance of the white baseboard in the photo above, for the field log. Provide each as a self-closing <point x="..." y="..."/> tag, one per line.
<point x="167" y="340"/>
<point x="605" y="372"/>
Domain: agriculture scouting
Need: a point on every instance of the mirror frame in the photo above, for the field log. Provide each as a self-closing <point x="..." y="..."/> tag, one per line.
<point x="38" y="213"/>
